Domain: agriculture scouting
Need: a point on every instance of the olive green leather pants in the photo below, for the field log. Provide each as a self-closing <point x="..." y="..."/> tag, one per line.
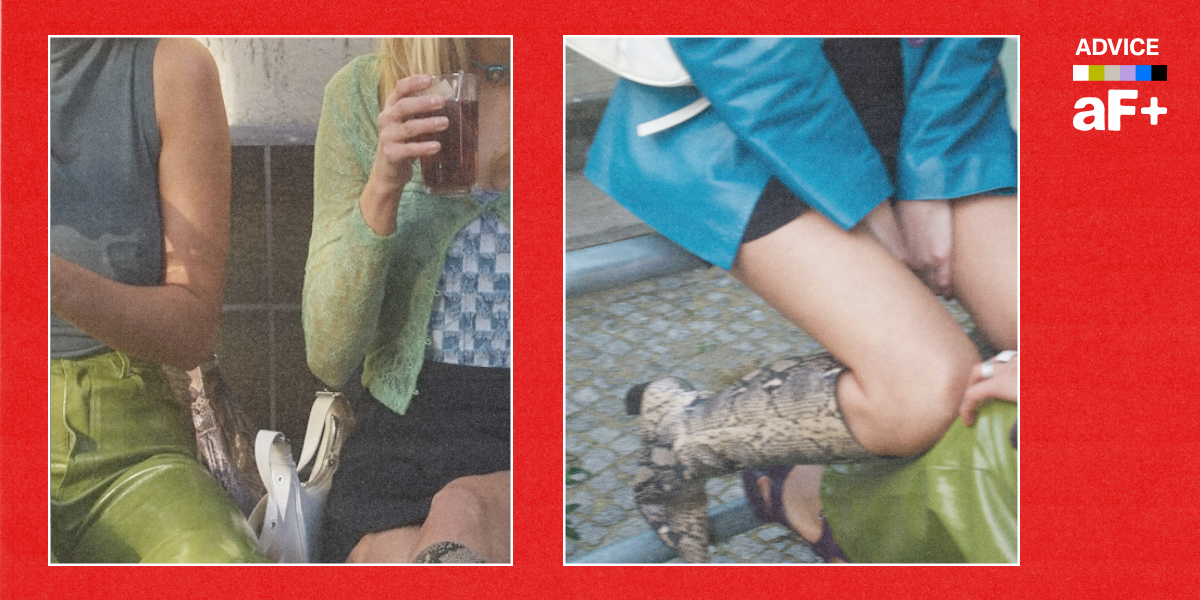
<point x="125" y="485"/>
<point x="956" y="503"/>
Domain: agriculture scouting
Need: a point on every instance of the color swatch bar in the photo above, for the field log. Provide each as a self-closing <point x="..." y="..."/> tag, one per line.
<point x="1119" y="73"/>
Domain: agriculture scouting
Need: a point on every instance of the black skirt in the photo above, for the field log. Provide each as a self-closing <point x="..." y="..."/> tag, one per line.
<point x="459" y="424"/>
<point x="871" y="73"/>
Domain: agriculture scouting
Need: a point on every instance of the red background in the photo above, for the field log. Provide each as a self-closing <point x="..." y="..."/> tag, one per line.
<point x="1109" y="255"/>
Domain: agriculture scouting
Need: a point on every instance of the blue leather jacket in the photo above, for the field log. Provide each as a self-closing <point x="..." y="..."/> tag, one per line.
<point x="778" y="109"/>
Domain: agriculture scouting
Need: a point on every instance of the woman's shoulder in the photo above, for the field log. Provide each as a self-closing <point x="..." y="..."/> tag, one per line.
<point x="360" y="74"/>
<point x="187" y="85"/>
<point x="184" y="59"/>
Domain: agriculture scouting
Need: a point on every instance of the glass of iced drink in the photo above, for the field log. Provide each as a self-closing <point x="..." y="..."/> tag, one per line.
<point x="452" y="169"/>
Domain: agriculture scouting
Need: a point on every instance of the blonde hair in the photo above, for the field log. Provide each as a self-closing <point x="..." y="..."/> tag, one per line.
<point x="401" y="57"/>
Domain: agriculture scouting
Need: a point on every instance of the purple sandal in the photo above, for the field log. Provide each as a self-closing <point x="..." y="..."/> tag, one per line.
<point x="827" y="547"/>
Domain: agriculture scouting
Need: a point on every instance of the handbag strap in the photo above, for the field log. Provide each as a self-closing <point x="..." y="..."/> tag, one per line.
<point x="274" y="457"/>
<point x="317" y="419"/>
<point x="273" y="454"/>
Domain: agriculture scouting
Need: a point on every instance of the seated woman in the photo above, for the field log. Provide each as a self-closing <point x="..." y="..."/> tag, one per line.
<point x="139" y="229"/>
<point x="825" y="173"/>
<point x="415" y="290"/>
<point x="955" y="503"/>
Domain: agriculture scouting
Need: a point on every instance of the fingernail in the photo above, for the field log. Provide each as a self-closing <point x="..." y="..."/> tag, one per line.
<point x="424" y="79"/>
<point x="435" y="100"/>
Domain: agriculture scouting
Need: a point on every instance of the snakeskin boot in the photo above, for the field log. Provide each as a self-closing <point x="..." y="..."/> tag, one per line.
<point x="782" y="414"/>
<point x="447" y="552"/>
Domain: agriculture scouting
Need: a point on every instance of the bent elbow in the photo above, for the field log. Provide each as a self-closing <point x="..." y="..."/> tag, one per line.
<point x="324" y="364"/>
<point x="196" y="350"/>
<point x="190" y="355"/>
<point x="331" y="374"/>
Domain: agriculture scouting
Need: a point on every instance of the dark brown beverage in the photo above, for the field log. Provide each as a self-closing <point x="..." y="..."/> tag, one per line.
<point x="452" y="169"/>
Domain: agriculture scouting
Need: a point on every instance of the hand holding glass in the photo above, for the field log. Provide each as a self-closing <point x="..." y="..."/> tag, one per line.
<point x="452" y="169"/>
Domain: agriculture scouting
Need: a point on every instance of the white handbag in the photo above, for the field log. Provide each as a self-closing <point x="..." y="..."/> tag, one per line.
<point x="644" y="60"/>
<point x="288" y="519"/>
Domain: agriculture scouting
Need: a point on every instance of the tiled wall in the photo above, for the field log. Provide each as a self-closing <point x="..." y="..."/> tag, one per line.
<point x="261" y="344"/>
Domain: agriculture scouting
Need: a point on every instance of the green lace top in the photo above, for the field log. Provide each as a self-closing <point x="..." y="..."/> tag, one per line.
<point x="367" y="297"/>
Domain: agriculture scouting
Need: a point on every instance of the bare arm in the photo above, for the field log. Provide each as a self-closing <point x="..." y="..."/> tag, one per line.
<point x="175" y="323"/>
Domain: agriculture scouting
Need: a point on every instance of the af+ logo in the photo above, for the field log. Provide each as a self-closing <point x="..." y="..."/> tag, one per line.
<point x="1097" y="116"/>
<point x="1115" y="111"/>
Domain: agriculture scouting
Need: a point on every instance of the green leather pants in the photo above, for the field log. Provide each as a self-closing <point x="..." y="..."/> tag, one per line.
<point x="125" y="484"/>
<point x="956" y="503"/>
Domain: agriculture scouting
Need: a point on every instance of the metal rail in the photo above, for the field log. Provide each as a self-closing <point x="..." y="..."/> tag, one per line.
<point x="620" y="263"/>
<point x="725" y="521"/>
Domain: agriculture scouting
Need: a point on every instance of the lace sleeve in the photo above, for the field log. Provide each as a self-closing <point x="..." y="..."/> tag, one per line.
<point x="347" y="262"/>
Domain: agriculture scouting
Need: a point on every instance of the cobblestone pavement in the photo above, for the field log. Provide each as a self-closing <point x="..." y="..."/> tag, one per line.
<point x="700" y="325"/>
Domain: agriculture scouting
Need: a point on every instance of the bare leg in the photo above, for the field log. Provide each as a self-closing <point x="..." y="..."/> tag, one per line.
<point x="801" y="500"/>
<point x="986" y="282"/>
<point x="908" y="359"/>
<point x="474" y="511"/>
<point x="987" y="265"/>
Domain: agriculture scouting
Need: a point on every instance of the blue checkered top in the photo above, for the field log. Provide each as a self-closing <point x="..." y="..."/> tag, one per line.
<point x="471" y="319"/>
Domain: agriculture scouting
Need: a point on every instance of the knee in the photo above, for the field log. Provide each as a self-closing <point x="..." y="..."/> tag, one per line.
<point x="909" y="418"/>
<point x="463" y="500"/>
